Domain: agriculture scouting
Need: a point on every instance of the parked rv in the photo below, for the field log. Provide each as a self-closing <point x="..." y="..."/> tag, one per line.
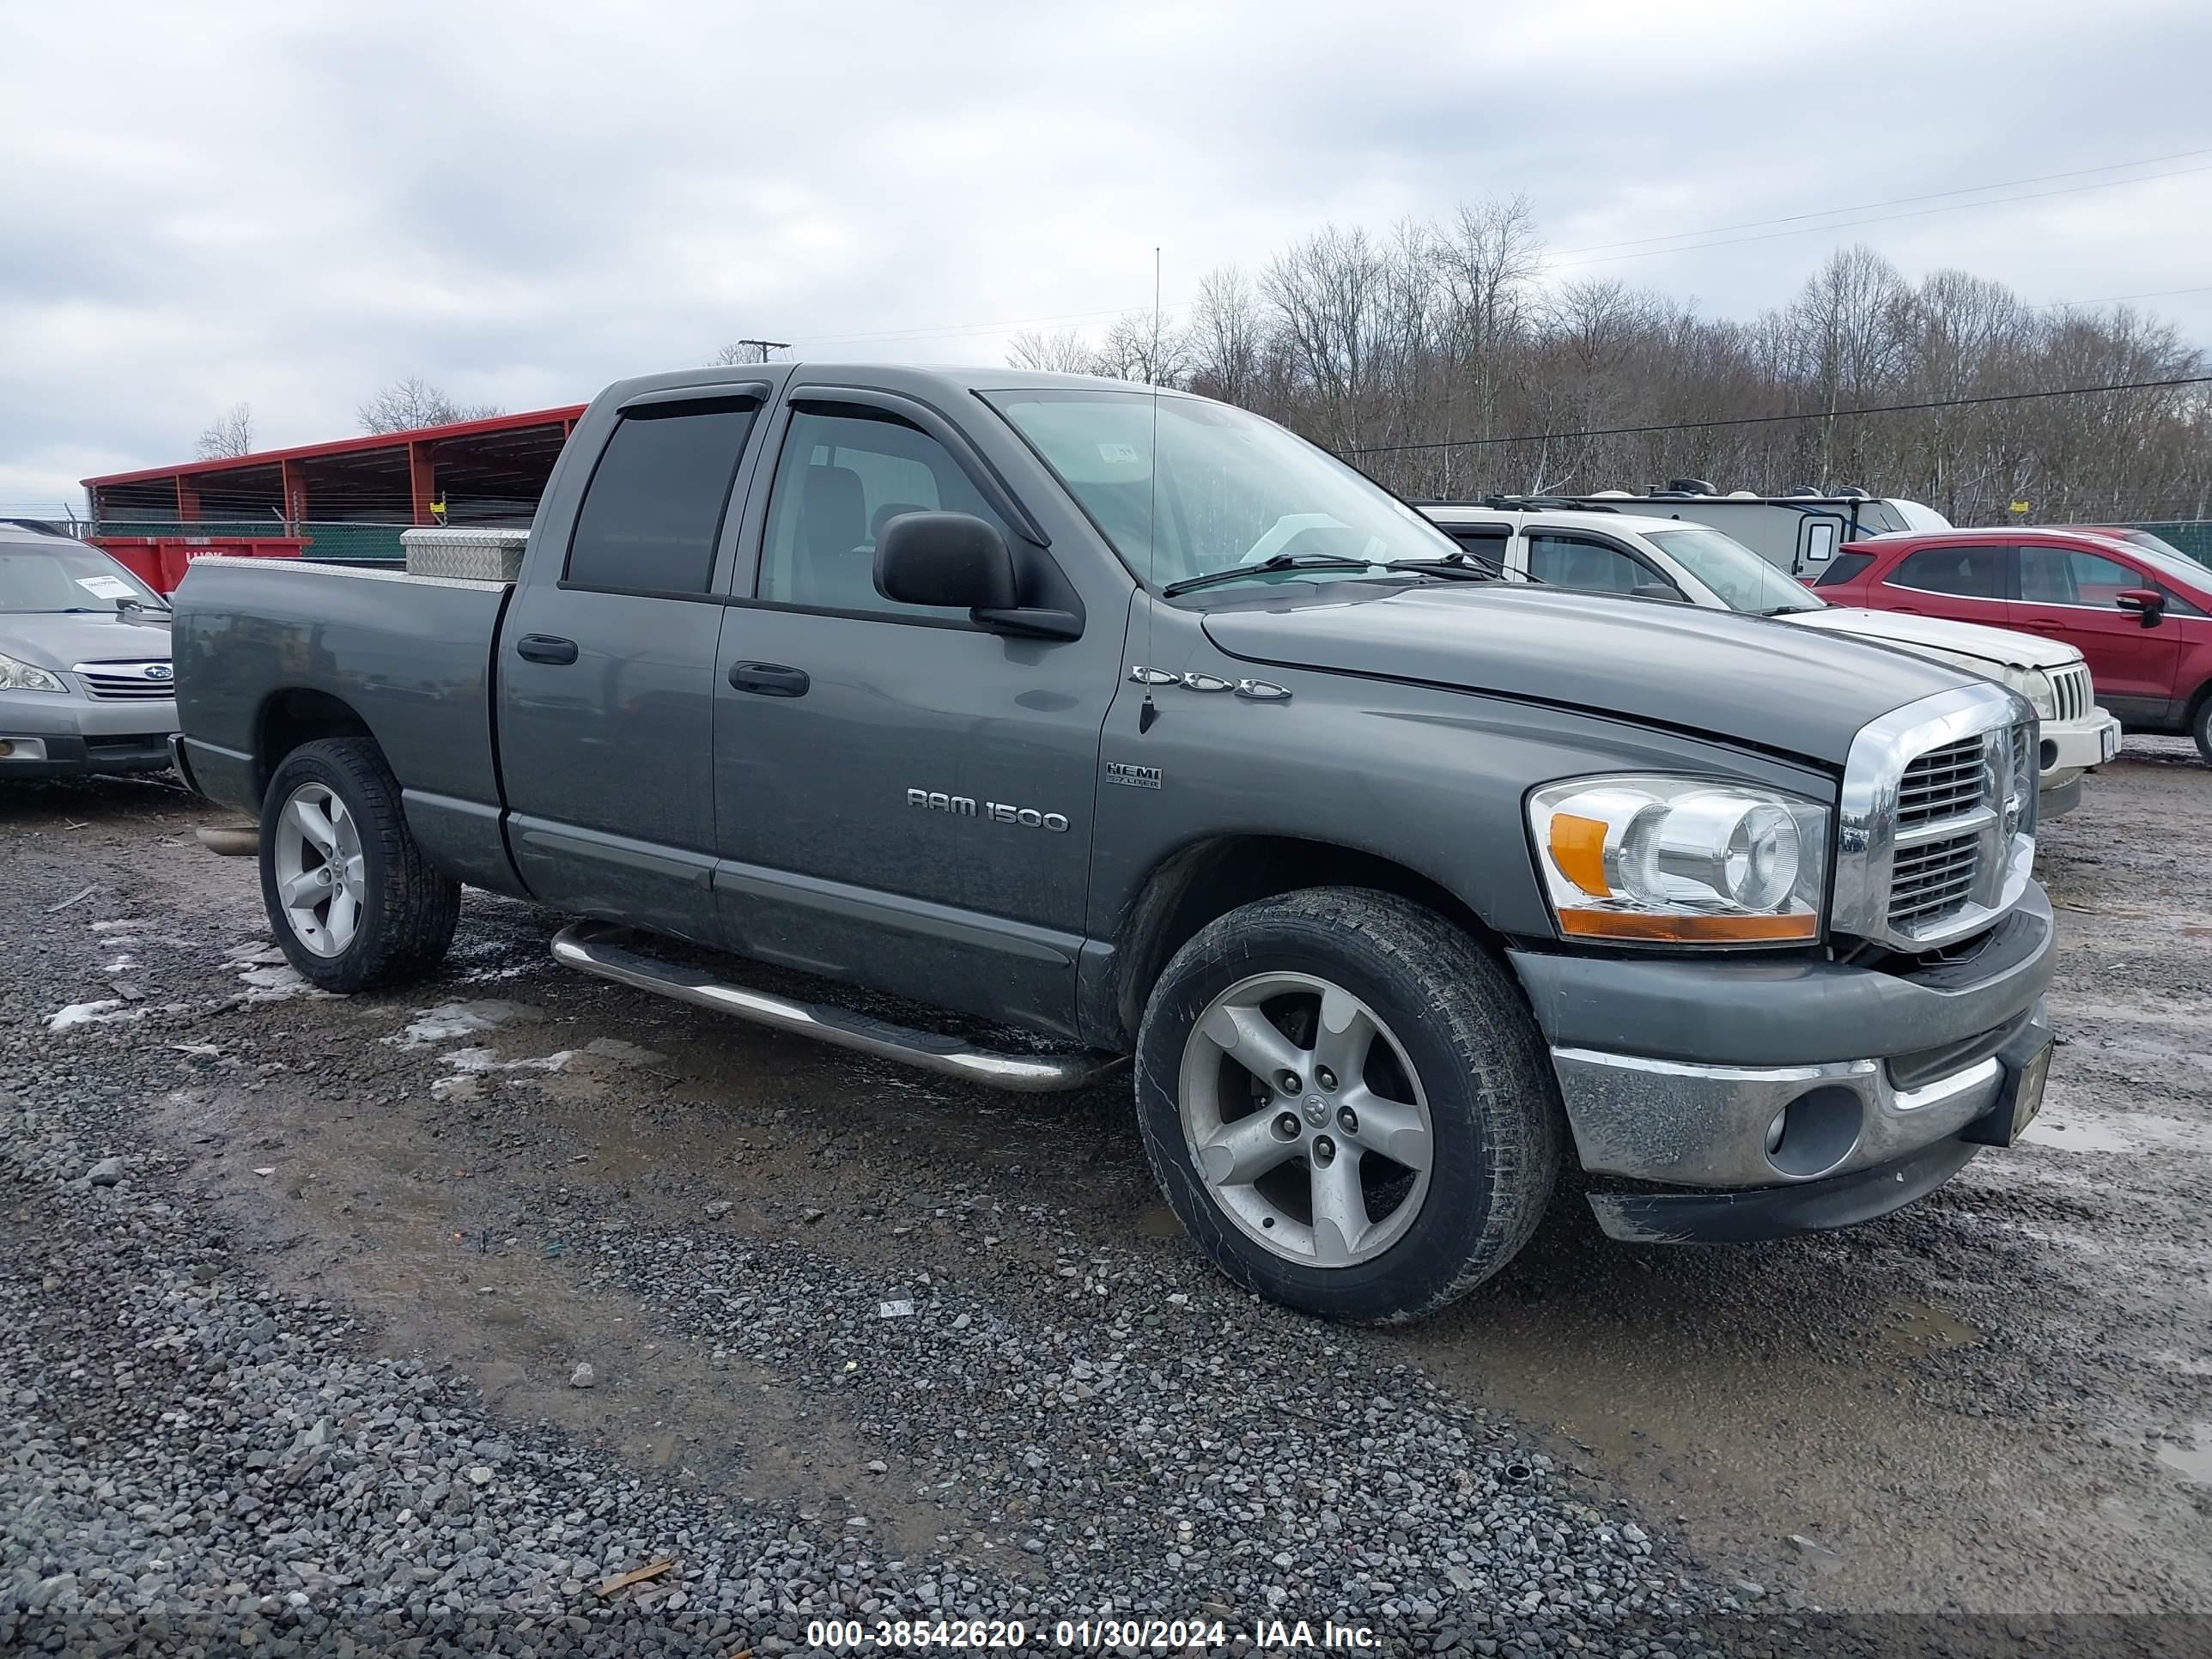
<point x="1798" y="531"/>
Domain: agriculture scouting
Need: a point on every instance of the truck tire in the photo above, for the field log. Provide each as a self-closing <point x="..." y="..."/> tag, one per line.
<point x="1345" y="1101"/>
<point x="351" y="899"/>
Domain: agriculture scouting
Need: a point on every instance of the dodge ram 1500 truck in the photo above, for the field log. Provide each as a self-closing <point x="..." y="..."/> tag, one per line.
<point x="1130" y="718"/>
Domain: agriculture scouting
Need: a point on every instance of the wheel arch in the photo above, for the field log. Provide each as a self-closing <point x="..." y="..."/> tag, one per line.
<point x="1193" y="885"/>
<point x="294" y="716"/>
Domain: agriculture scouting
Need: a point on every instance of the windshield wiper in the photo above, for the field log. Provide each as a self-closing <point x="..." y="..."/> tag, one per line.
<point x="1280" y="561"/>
<point x="1467" y="565"/>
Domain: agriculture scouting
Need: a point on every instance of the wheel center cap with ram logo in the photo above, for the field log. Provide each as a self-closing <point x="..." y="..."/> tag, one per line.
<point x="1316" y="1108"/>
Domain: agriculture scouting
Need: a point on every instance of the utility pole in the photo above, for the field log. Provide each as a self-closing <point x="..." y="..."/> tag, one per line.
<point x="766" y="346"/>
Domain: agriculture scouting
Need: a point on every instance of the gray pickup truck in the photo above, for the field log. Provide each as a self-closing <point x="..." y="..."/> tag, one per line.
<point x="1133" y="722"/>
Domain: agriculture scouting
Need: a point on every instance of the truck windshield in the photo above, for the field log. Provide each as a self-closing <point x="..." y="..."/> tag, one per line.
<point x="1743" y="579"/>
<point x="1221" y="488"/>
<point x="66" y="577"/>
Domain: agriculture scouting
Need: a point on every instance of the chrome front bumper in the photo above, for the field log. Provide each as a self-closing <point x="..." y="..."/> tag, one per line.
<point x="1728" y="1126"/>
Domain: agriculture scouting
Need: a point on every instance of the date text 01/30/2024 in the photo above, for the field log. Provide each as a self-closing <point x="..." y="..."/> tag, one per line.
<point x="1165" y="1635"/>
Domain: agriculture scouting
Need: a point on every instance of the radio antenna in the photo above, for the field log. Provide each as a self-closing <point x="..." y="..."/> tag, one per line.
<point x="1150" y="712"/>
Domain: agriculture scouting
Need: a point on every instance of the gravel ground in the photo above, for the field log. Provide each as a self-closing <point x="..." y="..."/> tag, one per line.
<point x="409" y="1323"/>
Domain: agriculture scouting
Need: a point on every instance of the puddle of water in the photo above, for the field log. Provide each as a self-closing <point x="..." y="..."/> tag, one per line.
<point x="2193" y="1461"/>
<point x="1922" y="1328"/>
<point x="2078" y="1136"/>
<point x="2071" y="1131"/>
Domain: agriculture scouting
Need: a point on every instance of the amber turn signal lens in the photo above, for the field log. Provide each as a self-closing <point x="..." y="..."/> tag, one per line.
<point x="1687" y="930"/>
<point x="1579" y="852"/>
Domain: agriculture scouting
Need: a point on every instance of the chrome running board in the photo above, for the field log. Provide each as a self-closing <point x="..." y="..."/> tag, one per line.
<point x="598" y="947"/>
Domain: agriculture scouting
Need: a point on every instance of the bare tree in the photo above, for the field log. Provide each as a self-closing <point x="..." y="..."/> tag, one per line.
<point x="407" y="404"/>
<point x="1145" y="347"/>
<point x="747" y="351"/>
<point x="1228" y="337"/>
<point x="230" y="433"/>
<point x="1067" y="352"/>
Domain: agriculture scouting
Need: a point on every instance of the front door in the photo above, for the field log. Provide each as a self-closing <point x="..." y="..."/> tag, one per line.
<point x="2067" y="593"/>
<point x="606" y="679"/>
<point x="905" y="798"/>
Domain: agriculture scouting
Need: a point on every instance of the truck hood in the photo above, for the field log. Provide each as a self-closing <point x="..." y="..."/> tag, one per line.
<point x="1954" y="641"/>
<point x="56" y="639"/>
<point x="1740" y="678"/>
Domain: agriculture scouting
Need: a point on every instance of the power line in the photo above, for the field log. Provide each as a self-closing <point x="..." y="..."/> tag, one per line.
<point x="980" y="328"/>
<point x="2119" y="299"/>
<point x="1894" y="201"/>
<point x="1884" y="218"/>
<point x="1769" y="420"/>
<point x="1797" y="219"/>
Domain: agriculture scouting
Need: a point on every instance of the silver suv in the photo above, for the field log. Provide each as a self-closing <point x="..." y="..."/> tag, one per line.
<point x="86" y="683"/>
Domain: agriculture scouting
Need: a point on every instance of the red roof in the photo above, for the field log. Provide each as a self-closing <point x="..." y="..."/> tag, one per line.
<point x="348" y="445"/>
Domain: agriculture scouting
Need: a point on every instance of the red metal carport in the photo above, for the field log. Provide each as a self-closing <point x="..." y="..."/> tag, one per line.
<point x="345" y="500"/>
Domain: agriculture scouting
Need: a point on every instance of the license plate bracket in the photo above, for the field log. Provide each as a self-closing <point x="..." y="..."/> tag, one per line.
<point x="2026" y="1062"/>
<point x="2108" y="743"/>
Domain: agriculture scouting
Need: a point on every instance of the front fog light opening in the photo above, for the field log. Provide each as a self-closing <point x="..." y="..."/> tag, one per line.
<point x="1816" y="1132"/>
<point x="21" y="749"/>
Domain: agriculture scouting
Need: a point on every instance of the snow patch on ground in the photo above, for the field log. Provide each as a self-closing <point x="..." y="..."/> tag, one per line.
<point x="480" y="1061"/>
<point x="92" y="1013"/>
<point x="453" y="1019"/>
<point x="277" y="983"/>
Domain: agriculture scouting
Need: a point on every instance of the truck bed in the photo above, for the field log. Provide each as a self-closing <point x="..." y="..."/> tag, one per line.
<point x="255" y="639"/>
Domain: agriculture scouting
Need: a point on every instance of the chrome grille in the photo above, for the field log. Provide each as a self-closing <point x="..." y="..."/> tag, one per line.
<point x="1932" y="880"/>
<point x="1935" y="820"/>
<point x="2072" y="691"/>
<point x="1943" y="783"/>
<point x="127" y="681"/>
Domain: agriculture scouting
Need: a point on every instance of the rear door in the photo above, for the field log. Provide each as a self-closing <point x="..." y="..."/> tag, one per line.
<point x="607" y="673"/>
<point x="1966" y="582"/>
<point x="905" y="799"/>
<point x="2070" y="594"/>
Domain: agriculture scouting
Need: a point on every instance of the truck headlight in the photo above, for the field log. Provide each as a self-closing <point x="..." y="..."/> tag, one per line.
<point x="16" y="676"/>
<point x="1681" y="860"/>
<point x="2035" y="685"/>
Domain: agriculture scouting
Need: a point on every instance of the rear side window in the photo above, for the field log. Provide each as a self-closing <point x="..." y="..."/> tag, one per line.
<point x="655" y="506"/>
<point x="1846" y="568"/>
<point x="1971" y="572"/>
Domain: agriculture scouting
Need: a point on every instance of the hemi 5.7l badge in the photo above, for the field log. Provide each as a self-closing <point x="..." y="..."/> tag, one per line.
<point x="1136" y="777"/>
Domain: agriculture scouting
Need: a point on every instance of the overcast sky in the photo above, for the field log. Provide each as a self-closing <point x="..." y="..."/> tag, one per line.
<point x="289" y="204"/>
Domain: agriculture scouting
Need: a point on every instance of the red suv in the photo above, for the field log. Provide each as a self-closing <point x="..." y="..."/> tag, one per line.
<point x="2141" y="617"/>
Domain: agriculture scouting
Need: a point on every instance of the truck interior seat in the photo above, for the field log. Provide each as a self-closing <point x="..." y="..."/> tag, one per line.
<point x="886" y="513"/>
<point x="836" y="566"/>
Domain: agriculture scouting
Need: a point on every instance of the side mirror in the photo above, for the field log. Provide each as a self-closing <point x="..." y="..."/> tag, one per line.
<point x="957" y="559"/>
<point x="2146" y="602"/>
<point x="944" y="559"/>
